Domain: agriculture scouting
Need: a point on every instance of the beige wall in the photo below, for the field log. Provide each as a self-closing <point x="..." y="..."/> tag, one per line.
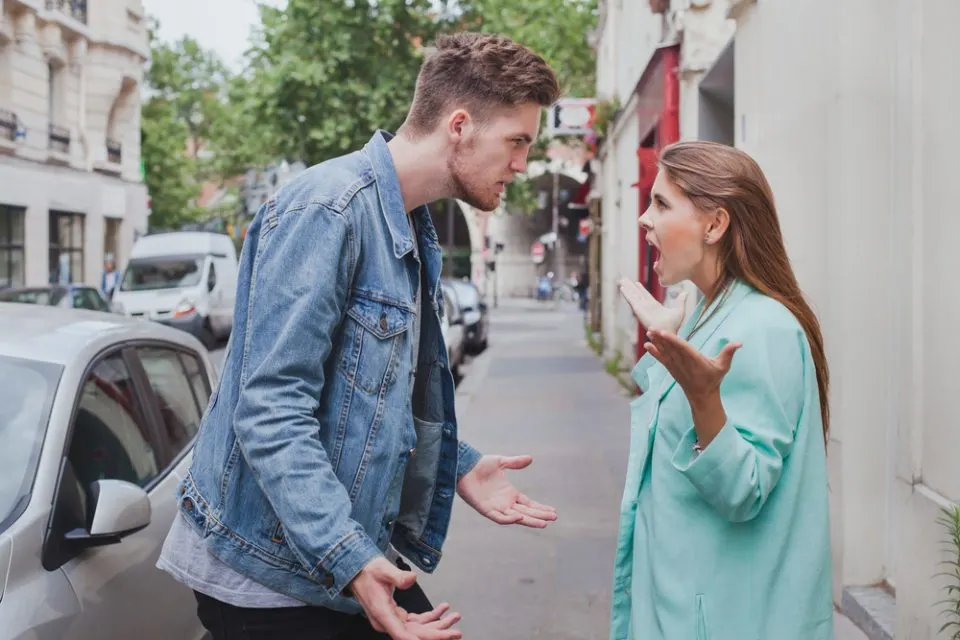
<point x="850" y="109"/>
<point x="98" y="77"/>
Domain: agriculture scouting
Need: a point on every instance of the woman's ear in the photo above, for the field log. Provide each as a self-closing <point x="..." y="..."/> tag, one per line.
<point x="717" y="226"/>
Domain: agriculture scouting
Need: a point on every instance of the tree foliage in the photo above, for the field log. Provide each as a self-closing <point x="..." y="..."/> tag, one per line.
<point x="320" y="77"/>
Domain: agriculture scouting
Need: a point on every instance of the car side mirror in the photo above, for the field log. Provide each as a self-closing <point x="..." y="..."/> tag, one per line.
<point x="119" y="509"/>
<point x="116" y="509"/>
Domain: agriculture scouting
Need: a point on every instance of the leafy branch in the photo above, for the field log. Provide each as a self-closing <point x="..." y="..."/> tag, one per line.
<point x="950" y="520"/>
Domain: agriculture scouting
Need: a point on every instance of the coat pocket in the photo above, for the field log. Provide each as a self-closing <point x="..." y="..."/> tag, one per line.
<point x="421" y="477"/>
<point x="702" y="632"/>
<point x="371" y="343"/>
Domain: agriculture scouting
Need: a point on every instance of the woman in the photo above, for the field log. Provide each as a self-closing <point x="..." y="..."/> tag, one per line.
<point x="724" y="522"/>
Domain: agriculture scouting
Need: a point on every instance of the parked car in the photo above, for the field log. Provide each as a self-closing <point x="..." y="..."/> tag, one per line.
<point x="185" y="279"/>
<point x="97" y="417"/>
<point x="70" y="296"/>
<point x="476" y="319"/>
<point x="451" y="326"/>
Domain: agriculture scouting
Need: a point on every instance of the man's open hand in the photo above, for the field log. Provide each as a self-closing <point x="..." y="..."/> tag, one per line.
<point x="487" y="490"/>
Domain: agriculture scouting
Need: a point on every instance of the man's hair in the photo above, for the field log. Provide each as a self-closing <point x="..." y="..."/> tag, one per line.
<point x="481" y="72"/>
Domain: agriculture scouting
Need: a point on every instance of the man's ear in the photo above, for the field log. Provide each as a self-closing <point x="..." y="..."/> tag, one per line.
<point x="458" y="125"/>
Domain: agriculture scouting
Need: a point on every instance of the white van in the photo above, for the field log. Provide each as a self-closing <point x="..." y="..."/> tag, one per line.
<point x="184" y="279"/>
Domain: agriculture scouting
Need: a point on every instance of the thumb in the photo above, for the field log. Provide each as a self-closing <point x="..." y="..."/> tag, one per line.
<point x="400" y="579"/>
<point x="516" y="462"/>
<point x="726" y="355"/>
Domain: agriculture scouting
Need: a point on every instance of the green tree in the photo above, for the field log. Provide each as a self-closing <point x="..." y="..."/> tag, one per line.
<point x="556" y="29"/>
<point x="169" y="172"/>
<point x="325" y="75"/>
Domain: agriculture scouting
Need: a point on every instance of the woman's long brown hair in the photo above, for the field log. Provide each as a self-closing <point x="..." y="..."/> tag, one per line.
<point x="715" y="176"/>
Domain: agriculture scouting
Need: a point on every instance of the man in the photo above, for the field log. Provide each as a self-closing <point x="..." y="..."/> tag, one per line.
<point x="330" y="445"/>
<point x="110" y="278"/>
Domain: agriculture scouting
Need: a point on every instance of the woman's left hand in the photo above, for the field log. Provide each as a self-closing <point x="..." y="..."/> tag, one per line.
<point x="698" y="375"/>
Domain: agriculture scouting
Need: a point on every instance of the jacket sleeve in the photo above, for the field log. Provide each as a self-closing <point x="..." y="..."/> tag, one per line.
<point x="763" y="395"/>
<point x="467" y="459"/>
<point x="298" y="291"/>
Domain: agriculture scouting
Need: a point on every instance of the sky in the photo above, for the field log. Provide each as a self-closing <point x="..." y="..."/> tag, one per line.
<point x="221" y="25"/>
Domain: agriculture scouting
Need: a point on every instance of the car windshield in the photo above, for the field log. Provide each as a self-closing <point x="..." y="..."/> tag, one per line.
<point x="49" y="297"/>
<point x="26" y="397"/>
<point x="467" y="295"/>
<point x="144" y="274"/>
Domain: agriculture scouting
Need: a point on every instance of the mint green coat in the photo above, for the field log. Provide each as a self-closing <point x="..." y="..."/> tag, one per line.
<point x="732" y="543"/>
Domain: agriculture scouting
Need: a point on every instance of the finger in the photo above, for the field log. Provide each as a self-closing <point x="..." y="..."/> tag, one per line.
<point x="529" y="521"/>
<point x="542" y="514"/>
<point x="430" y="616"/>
<point x="384" y="614"/>
<point x="505" y="518"/>
<point x="429" y="633"/>
<point x="527" y="502"/>
<point x="725" y="358"/>
<point x="652" y="350"/>
<point x="399" y="579"/>
<point x="446" y="623"/>
<point x="515" y="462"/>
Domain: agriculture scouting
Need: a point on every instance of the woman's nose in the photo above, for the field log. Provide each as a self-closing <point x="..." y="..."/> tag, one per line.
<point x="644" y="221"/>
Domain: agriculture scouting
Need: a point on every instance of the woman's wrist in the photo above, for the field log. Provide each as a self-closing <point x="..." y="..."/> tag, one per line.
<point x="708" y="416"/>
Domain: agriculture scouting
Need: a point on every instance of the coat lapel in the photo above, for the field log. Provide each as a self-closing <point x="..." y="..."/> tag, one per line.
<point x="727" y="304"/>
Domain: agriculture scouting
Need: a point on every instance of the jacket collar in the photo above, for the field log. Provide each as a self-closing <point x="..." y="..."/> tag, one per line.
<point x="712" y="317"/>
<point x="391" y="197"/>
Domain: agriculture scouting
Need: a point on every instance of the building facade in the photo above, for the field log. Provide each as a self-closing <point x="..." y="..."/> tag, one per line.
<point x="849" y="107"/>
<point x="71" y="190"/>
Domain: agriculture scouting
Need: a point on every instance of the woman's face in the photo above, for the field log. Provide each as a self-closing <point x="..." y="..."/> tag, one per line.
<point x="680" y="231"/>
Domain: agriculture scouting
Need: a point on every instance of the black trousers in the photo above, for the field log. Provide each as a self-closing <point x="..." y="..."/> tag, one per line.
<point x="227" y="622"/>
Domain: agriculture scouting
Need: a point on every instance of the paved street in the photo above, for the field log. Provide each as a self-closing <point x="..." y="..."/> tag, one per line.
<point x="539" y="389"/>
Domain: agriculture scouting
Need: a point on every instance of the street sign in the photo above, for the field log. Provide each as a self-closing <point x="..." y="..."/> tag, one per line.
<point x="571" y="117"/>
<point x="537" y="252"/>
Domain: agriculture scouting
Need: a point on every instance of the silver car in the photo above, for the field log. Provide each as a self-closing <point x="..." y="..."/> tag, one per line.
<point x="97" y="420"/>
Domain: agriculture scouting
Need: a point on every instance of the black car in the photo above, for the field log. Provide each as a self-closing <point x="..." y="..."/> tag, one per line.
<point x="476" y="319"/>
<point x="76" y="296"/>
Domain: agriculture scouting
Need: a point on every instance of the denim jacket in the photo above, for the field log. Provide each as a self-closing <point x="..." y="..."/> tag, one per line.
<point x="322" y="443"/>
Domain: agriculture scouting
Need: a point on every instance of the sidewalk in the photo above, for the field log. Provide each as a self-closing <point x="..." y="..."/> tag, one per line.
<point x="540" y="390"/>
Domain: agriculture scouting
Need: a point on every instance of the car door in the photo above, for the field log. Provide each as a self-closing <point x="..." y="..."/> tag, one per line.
<point x="87" y="298"/>
<point x="118" y="432"/>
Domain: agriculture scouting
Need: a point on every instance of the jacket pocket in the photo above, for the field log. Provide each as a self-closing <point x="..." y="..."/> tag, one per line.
<point x="702" y="632"/>
<point x="421" y="477"/>
<point x="372" y="343"/>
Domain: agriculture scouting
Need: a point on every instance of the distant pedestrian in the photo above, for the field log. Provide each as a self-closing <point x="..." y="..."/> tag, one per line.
<point x="110" y="278"/>
<point x="724" y="521"/>
<point x="330" y="447"/>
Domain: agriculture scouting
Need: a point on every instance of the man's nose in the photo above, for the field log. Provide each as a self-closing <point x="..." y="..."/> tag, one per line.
<point x="519" y="165"/>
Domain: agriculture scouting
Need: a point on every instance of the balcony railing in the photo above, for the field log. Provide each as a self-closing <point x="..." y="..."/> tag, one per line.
<point x="59" y="139"/>
<point x="114" y="151"/>
<point x="77" y="9"/>
<point x="8" y="125"/>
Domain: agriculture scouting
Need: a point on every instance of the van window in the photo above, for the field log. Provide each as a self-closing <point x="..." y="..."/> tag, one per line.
<point x="163" y="273"/>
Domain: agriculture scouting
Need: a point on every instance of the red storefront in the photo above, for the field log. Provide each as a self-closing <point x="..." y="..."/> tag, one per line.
<point x="658" y="115"/>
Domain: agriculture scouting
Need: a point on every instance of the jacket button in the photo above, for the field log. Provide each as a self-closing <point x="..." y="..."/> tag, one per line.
<point x="188" y="504"/>
<point x="413" y="452"/>
<point x="383" y="321"/>
<point x="328" y="581"/>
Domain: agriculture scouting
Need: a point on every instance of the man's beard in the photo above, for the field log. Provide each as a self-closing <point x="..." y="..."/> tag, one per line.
<point x="463" y="189"/>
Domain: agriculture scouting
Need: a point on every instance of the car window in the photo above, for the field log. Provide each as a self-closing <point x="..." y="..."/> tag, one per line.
<point x="26" y="396"/>
<point x="87" y="299"/>
<point x="197" y="378"/>
<point x="178" y="406"/>
<point x="111" y="440"/>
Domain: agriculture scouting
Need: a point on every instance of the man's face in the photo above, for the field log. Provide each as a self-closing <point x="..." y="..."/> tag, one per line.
<point x="486" y="158"/>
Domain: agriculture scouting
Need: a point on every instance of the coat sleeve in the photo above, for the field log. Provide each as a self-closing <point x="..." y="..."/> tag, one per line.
<point x="763" y="396"/>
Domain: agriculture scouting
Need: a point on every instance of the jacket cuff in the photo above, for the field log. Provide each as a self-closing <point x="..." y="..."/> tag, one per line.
<point x="706" y="469"/>
<point x="339" y="567"/>
<point x="467" y="459"/>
